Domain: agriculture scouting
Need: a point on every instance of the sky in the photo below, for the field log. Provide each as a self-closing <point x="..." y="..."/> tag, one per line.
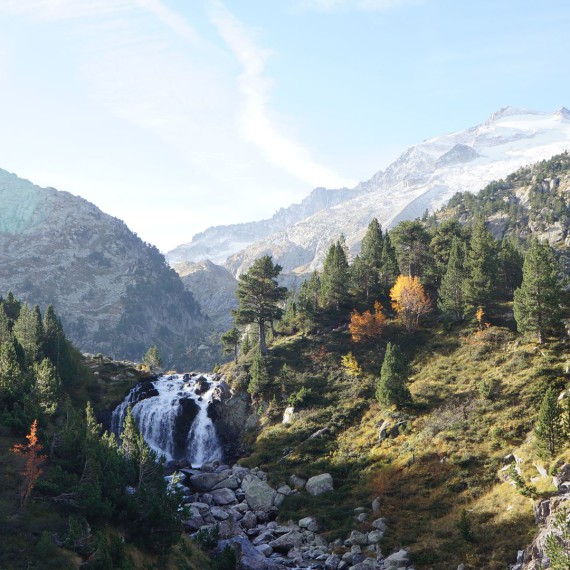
<point x="178" y="115"/>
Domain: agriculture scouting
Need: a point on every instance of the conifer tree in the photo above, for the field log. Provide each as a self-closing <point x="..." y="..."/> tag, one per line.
<point x="152" y="358"/>
<point x="441" y="243"/>
<point x="536" y="302"/>
<point x="258" y="374"/>
<point x="12" y="379"/>
<point x="47" y="386"/>
<point x="230" y="340"/>
<point x="450" y="293"/>
<point x="28" y="329"/>
<point x="481" y="268"/>
<point x="392" y="388"/>
<point x="259" y="296"/>
<point x="335" y="275"/>
<point x="5" y="325"/>
<point x="370" y="260"/>
<point x="510" y="268"/>
<point x="411" y="241"/>
<point x="12" y="306"/>
<point x="388" y="265"/>
<point x="548" y="426"/>
<point x="310" y="294"/>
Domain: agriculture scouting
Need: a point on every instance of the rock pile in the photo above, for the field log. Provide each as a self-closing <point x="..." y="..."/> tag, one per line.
<point x="239" y="503"/>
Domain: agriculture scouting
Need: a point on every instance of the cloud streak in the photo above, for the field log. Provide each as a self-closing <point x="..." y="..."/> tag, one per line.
<point x="361" y="5"/>
<point x="257" y="122"/>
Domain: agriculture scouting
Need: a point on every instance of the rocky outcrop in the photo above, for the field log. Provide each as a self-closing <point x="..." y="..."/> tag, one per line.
<point x="241" y="504"/>
<point x="319" y="484"/>
<point x="114" y="293"/>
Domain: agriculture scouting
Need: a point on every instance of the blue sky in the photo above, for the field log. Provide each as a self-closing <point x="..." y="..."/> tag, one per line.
<point x="178" y="115"/>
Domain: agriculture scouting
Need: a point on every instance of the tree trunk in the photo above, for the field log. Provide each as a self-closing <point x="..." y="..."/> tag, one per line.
<point x="262" y="343"/>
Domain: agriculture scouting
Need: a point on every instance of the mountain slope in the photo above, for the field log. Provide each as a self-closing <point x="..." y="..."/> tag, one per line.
<point x="424" y="177"/>
<point x="114" y="293"/>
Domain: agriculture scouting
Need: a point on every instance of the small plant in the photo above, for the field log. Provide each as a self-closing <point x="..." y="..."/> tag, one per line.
<point x="464" y="526"/>
<point x="558" y="544"/>
<point x="207" y="538"/>
<point x="521" y="485"/>
<point x="227" y="559"/>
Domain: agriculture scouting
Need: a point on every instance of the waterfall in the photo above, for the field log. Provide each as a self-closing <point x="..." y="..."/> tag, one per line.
<point x="173" y="417"/>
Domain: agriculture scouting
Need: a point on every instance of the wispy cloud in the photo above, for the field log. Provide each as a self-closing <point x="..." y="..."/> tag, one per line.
<point x="257" y="122"/>
<point x="363" y="5"/>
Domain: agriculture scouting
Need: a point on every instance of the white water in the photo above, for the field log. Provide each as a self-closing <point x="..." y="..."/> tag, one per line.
<point x="156" y="417"/>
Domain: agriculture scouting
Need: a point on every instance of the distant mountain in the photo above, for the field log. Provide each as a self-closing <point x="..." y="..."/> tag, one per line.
<point x="115" y="294"/>
<point x="213" y="287"/>
<point x="423" y="177"/>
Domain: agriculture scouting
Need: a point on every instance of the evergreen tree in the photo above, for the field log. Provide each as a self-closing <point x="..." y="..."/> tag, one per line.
<point x="392" y="385"/>
<point x="12" y="306"/>
<point x="47" y="386"/>
<point x="54" y="338"/>
<point x="367" y="269"/>
<point x="310" y="294"/>
<point x="510" y="269"/>
<point x="230" y="340"/>
<point x="152" y="358"/>
<point x="536" y="302"/>
<point x="441" y="243"/>
<point x="258" y="374"/>
<point x="335" y="275"/>
<point x="411" y="241"/>
<point x="548" y="427"/>
<point x="481" y="268"/>
<point x="450" y="293"/>
<point x="28" y="329"/>
<point x="5" y="325"/>
<point x="389" y="271"/>
<point x="259" y="295"/>
<point x="13" y="382"/>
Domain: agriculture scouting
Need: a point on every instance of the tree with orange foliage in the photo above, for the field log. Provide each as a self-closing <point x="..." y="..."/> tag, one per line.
<point x="367" y="326"/>
<point x="409" y="300"/>
<point x="34" y="460"/>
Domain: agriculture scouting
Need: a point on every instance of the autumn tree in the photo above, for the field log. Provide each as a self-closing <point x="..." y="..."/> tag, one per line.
<point x="392" y="386"/>
<point x="367" y="326"/>
<point x="259" y="297"/>
<point x="350" y="365"/>
<point x="536" y="302"/>
<point x="409" y="300"/>
<point x="34" y="460"/>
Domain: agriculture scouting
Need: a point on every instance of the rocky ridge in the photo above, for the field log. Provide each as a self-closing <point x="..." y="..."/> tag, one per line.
<point x="115" y="294"/>
<point x="424" y="177"/>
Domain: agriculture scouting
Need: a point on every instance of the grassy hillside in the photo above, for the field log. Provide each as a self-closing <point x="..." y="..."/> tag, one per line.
<point x="475" y="400"/>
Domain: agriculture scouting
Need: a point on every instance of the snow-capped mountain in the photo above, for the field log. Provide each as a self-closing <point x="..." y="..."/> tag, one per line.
<point x="423" y="177"/>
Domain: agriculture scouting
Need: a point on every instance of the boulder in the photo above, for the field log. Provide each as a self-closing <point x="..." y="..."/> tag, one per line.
<point x="202" y="385"/>
<point x="223" y="497"/>
<point x="207" y="481"/>
<point x="219" y="513"/>
<point x="309" y="523"/>
<point x="563" y="476"/>
<point x="288" y="415"/>
<point x="248" y="557"/>
<point x="297" y="482"/>
<point x="360" y="538"/>
<point x="376" y="503"/>
<point x="265" y="549"/>
<point x="319" y="484"/>
<point x="259" y="495"/>
<point x="380" y="524"/>
<point x="400" y="559"/>
<point x="287" y="541"/>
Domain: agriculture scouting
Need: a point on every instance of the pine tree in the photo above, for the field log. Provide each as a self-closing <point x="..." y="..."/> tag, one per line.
<point x="536" y="302"/>
<point x="450" y="293"/>
<point x="370" y="260"/>
<point x="259" y="296"/>
<point x="230" y="341"/>
<point x="481" y="268"/>
<point x="310" y="294"/>
<point x="47" y="386"/>
<point x="388" y="265"/>
<point x="392" y="388"/>
<point x="335" y="275"/>
<point x="411" y="241"/>
<point x="258" y="374"/>
<point x="441" y="243"/>
<point x="28" y="329"/>
<point x="510" y="269"/>
<point x="152" y="358"/>
<point x="13" y="382"/>
<point x="5" y="325"/>
<point x="548" y="426"/>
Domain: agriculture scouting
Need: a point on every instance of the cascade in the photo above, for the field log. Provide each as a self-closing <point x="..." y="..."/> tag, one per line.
<point x="173" y="417"/>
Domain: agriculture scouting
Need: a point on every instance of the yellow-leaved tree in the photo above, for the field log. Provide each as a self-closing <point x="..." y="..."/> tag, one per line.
<point x="350" y="365"/>
<point x="367" y="326"/>
<point x="409" y="300"/>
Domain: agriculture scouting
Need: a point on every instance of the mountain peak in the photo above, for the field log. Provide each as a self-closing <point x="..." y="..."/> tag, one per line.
<point x="563" y="113"/>
<point x="508" y="112"/>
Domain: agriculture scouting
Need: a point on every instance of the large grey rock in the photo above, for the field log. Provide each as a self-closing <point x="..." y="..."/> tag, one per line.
<point x="259" y="495"/>
<point x="400" y="559"/>
<point x="287" y="541"/>
<point x="223" y="497"/>
<point x="207" y="481"/>
<point x="360" y="538"/>
<point x="320" y="484"/>
<point x="248" y="521"/>
<point x="249" y="558"/>
<point x="380" y="524"/>
<point x="309" y="523"/>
